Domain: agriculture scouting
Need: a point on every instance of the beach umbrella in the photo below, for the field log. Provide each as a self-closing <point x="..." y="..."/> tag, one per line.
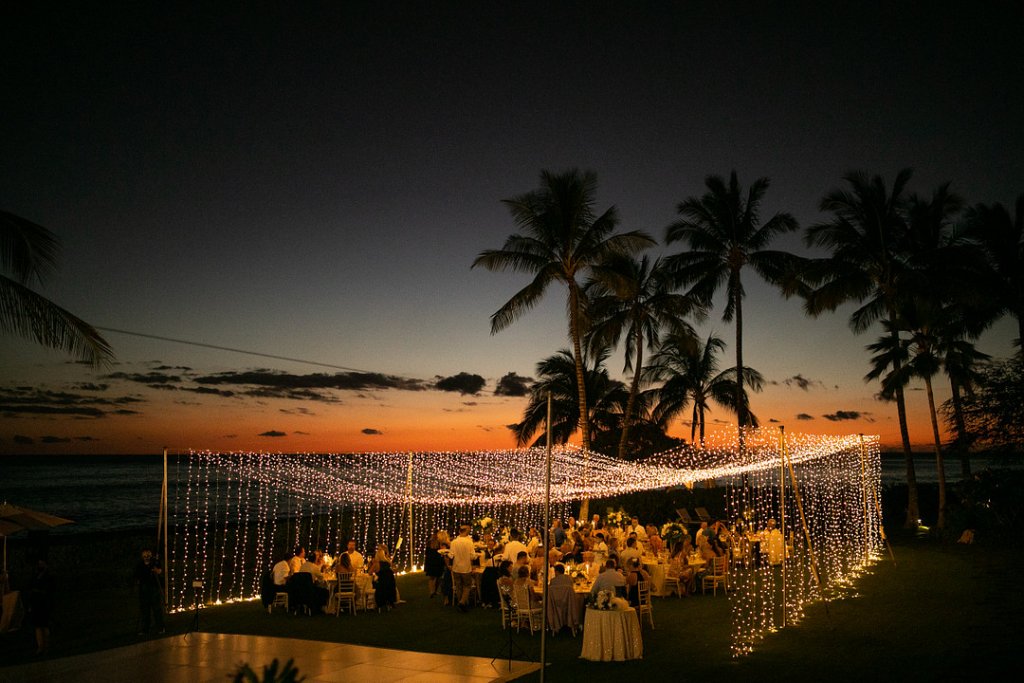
<point x="14" y="518"/>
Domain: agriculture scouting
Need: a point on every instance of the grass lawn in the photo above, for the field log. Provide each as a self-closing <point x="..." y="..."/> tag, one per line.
<point x="943" y="612"/>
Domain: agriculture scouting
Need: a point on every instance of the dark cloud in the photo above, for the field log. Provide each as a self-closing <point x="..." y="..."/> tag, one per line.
<point x="301" y="433"/>
<point x="469" y="403"/>
<point x="513" y="385"/>
<point x="464" y="383"/>
<point x="125" y="411"/>
<point x="372" y="432"/>
<point x="149" y="378"/>
<point x="54" y="439"/>
<point x="802" y="382"/>
<point x="210" y="391"/>
<point x="90" y="386"/>
<point x="342" y="380"/>
<point x="28" y="401"/>
<point x="841" y="415"/>
<point x="272" y="432"/>
<point x="292" y="394"/>
<point x="230" y="436"/>
<point x="23" y="440"/>
<point x="804" y="416"/>
<point x="85" y="438"/>
<point x="298" y="411"/>
<point x="772" y="419"/>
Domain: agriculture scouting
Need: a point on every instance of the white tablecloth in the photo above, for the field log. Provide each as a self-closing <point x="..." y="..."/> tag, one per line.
<point x="657" y="572"/>
<point x="611" y="635"/>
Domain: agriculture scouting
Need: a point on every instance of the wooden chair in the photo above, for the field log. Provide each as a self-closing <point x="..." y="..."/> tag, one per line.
<point x="643" y="591"/>
<point x="739" y="552"/>
<point x="344" y="596"/>
<point x="718" y="573"/>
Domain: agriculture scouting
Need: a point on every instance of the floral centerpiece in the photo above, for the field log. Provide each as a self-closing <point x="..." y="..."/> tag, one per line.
<point x="615" y="517"/>
<point x="672" y="533"/>
<point x="483" y="525"/>
<point x="607" y="600"/>
<point x="579" y="576"/>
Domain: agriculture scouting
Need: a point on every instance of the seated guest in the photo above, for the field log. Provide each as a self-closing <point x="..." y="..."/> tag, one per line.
<point x="297" y="559"/>
<point x="282" y="571"/>
<point x="505" y="579"/>
<point x="679" y="568"/>
<point x="636" y="574"/>
<point x="310" y="567"/>
<point x="533" y="539"/>
<point x="523" y="579"/>
<point x="631" y="551"/>
<point x="386" y="593"/>
<point x="342" y="565"/>
<point x="608" y="579"/>
<point x="560" y="578"/>
<point x="654" y="541"/>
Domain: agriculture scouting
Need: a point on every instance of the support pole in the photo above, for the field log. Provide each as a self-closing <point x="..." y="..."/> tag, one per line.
<point x="408" y="497"/>
<point x="547" y="550"/>
<point x="782" y="514"/>
<point x="803" y="519"/>
<point x="163" y="509"/>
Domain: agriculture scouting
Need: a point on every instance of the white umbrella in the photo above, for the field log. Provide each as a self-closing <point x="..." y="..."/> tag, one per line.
<point x="14" y="519"/>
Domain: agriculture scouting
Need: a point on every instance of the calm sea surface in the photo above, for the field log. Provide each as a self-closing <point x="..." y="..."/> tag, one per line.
<point x="118" y="492"/>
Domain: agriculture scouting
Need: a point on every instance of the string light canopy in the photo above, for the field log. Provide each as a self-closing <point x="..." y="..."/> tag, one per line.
<point x="236" y="514"/>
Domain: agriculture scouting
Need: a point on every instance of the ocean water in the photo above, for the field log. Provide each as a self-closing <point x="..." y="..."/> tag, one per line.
<point x="102" y="493"/>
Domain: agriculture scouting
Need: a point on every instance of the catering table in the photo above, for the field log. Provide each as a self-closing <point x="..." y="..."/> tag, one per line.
<point x="611" y="635"/>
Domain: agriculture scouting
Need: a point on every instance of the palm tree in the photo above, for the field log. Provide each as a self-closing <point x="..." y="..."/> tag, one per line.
<point x="688" y="371"/>
<point x="635" y="298"/>
<point x="560" y="239"/>
<point x="962" y="363"/>
<point x="1001" y="236"/>
<point x="867" y="238"/>
<point x="29" y="253"/>
<point x="557" y="376"/>
<point x="723" y="232"/>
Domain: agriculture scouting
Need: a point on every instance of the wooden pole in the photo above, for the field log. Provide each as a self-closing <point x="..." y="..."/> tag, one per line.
<point x="803" y="519"/>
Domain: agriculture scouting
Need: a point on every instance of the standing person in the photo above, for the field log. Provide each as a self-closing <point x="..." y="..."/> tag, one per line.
<point x="149" y="580"/>
<point x="463" y="553"/>
<point x="40" y="604"/>
<point x="355" y="558"/>
<point x="433" y="563"/>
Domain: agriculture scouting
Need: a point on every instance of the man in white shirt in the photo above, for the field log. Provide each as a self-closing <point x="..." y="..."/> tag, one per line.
<point x="534" y="540"/>
<point x="463" y="554"/>
<point x="281" y="573"/>
<point x="630" y="552"/>
<point x="637" y="528"/>
<point x="514" y="546"/>
<point x="355" y="557"/>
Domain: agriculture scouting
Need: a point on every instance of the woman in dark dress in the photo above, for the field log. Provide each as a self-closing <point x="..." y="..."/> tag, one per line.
<point x="433" y="563"/>
<point x="40" y="604"/>
<point x="386" y="594"/>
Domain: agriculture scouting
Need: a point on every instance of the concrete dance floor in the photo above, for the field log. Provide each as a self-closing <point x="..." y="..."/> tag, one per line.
<point x="215" y="657"/>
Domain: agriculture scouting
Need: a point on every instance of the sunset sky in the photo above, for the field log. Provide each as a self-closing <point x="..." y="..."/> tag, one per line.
<point x="316" y="186"/>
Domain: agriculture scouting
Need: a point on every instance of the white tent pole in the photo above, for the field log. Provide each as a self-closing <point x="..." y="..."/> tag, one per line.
<point x="163" y="506"/>
<point x="547" y="551"/>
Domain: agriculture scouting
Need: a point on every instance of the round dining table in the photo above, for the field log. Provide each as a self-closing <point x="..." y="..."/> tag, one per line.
<point x="611" y="635"/>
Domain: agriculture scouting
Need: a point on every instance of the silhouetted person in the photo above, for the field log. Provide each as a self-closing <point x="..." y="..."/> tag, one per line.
<point x="149" y="579"/>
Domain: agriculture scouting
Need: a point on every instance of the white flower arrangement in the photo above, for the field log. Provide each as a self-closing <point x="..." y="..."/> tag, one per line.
<point x="607" y="600"/>
<point x="483" y="525"/>
<point x="615" y="517"/>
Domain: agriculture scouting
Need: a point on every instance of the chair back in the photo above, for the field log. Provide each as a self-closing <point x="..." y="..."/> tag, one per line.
<point x="521" y="596"/>
<point x="346" y="583"/>
<point x="644" y="592"/>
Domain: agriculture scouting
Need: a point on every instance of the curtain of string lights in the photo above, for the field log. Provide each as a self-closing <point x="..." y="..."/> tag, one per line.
<point x="235" y="514"/>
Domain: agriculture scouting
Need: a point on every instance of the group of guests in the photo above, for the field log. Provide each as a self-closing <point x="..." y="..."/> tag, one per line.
<point x="520" y="557"/>
<point x="321" y="569"/>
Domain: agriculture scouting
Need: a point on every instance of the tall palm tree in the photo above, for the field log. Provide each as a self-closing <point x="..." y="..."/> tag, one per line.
<point x="1001" y="236"/>
<point x="867" y="240"/>
<point x="962" y="362"/>
<point x="688" y="371"/>
<point x="560" y="238"/>
<point x="28" y="252"/>
<point x="556" y="375"/>
<point x="634" y="297"/>
<point x="723" y="233"/>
